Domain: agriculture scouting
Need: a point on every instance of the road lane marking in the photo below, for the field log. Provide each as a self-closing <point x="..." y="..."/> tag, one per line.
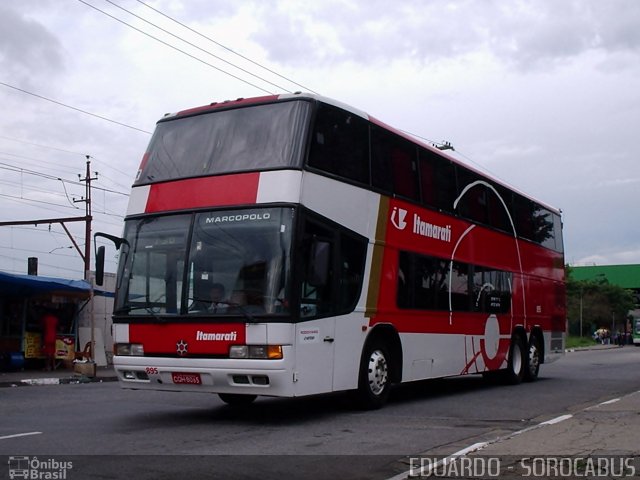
<point x="559" y="419"/>
<point x="20" y="435"/>
<point x="479" y="446"/>
<point x="426" y="471"/>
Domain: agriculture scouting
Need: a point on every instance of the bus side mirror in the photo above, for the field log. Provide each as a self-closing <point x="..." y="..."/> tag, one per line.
<point x="100" y="266"/>
<point x="319" y="258"/>
<point x="117" y="241"/>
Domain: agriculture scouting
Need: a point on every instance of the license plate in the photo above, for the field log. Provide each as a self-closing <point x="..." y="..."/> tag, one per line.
<point x="186" y="378"/>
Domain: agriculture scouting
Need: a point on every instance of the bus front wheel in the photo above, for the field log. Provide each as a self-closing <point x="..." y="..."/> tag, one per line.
<point x="374" y="382"/>
<point x="235" y="399"/>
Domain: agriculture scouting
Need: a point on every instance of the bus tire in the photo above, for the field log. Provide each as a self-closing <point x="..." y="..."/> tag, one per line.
<point x="236" y="399"/>
<point x="516" y="362"/>
<point x="533" y="360"/>
<point x="374" y="380"/>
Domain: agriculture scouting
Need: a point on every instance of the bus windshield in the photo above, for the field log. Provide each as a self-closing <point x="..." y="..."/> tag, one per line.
<point x="220" y="263"/>
<point x="222" y="141"/>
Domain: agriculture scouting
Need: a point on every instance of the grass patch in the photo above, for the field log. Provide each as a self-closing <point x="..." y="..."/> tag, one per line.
<point x="577" y="342"/>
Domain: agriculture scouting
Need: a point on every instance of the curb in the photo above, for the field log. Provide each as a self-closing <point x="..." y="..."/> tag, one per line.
<point x="595" y="347"/>
<point x="73" y="380"/>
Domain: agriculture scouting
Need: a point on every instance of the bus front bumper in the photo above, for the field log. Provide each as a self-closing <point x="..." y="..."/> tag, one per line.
<point x="237" y="376"/>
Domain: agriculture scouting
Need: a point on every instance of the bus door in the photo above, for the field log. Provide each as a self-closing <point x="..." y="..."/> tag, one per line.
<point x="315" y="332"/>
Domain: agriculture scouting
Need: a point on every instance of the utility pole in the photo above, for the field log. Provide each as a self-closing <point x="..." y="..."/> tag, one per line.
<point x="87" y="201"/>
<point x="87" y="249"/>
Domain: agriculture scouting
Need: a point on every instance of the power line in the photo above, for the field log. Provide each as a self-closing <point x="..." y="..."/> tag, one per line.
<point x="15" y="197"/>
<point x="13" y="168"/>
<point x="102" y="162"/>
<point x="39" y="163"/>
<point x="42" y="146"/>
<point x="197" y="47"/>
<point x="175" y="48"/>
<point x="227" y="48"/>
<point x="74" y="108"/>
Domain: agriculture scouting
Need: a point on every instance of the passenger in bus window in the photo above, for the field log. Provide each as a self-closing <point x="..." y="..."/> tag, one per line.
<point x="218" y="302"/>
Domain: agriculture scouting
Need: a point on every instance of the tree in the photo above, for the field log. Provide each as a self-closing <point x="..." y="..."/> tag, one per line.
<point x="600" y="304"/>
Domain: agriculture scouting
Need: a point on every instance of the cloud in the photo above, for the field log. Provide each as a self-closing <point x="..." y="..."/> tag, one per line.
<point x="26" y="47"/>
<point x="525" y="34"/>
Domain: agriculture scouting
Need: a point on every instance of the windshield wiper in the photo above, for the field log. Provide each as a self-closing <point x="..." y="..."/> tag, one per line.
<point x="130" y="308"/>
<point x="245" y="313"/>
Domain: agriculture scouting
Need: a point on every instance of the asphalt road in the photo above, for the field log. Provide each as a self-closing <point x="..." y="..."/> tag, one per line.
<point x="109" y="433"/>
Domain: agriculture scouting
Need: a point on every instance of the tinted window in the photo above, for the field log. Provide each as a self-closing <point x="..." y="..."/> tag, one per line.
<point x="557" y="228"/>
<point x="340" y="144"/>
<point x="473" y="204"/>
<point x="393" y="164"/>
<point x="438" y="180"/>
<point x="343" y="270"/>
<point x="152" y="265"/>
<point x="491" y="290"/>
<point x="523" y="217"/>
<point x="543" y="227"/>
<point x="429" y="283"/>
<point x="316" y="295"/>
<point x="241" y="139"/>
<point x="422" y="282"/>
<point x="350" y="270"/>
<point x="498" y="217"/>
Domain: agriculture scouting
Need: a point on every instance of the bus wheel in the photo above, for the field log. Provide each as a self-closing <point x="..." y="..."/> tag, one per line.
<point x="517" y="361"/>
<point x="235" y="399"/>
<point x="374" y="382"/>
<point x="533" y="362"/>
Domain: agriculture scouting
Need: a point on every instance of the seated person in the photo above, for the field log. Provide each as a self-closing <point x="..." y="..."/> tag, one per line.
<point x="218" y="303"/>
<point x="242" y="302"/>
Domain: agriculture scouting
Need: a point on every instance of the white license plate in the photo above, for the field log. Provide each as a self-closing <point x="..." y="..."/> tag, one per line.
<point x="186" y="378"/>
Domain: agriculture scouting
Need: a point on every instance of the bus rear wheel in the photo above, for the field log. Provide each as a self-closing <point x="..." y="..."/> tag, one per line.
<point x="235" y="399"/>
<point x="533" y="360"/>
<point x="516" y="362"/>
<point x="374" y="382"/>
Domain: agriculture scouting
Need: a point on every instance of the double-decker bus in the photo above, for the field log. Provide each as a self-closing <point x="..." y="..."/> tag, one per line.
<point x="291" y="245"/>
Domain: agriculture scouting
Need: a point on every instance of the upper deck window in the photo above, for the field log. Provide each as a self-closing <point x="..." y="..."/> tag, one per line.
<point x="222" y="141"/>
<point x="340" y="144"/>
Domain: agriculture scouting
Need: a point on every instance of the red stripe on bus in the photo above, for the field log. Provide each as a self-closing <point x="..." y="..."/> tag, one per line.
<point x="203" y="192"/>
<point x="184" y="339"/>
<point x="240" y="102"/>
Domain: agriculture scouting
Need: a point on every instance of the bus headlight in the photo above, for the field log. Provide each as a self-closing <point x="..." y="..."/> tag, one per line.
<point x="129" y="349"/>
<point x="264" y="352"/>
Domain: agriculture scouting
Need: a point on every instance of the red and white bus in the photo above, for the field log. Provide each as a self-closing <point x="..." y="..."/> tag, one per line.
<point x="291" y="245"/>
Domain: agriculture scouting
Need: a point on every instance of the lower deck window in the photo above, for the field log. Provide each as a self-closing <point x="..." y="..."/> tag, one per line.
<point x="431" y="283"/>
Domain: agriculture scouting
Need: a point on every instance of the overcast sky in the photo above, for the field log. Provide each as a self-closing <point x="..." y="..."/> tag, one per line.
<point x="542" y="94"/>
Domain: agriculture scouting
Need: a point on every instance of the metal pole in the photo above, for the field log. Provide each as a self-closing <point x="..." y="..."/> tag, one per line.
<point x="87" y="232"/>
<point x="581" y="312"/>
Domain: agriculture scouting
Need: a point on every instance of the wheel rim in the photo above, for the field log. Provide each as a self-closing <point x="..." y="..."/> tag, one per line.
<point x="534" y="358"/>
<point x="516" y="359"/>
<point x="378" y="372"/>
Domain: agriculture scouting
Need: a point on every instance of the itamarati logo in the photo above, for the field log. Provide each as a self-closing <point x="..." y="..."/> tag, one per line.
<point x="38" y="469"/>
<point x="420" y="226"/>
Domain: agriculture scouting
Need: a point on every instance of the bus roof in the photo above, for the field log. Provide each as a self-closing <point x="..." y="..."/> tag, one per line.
<point x="243" y="102"/>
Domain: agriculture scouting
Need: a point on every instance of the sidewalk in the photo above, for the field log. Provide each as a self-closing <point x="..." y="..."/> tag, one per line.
<point x="606" y="429"/>
<point x="597" y="439"/>
<point x="56" y="377"/>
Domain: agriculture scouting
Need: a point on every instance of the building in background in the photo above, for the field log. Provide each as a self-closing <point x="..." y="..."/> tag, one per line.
<point x="25" y="299"/>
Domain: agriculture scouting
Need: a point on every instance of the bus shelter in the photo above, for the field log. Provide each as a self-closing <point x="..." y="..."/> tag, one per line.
<point x="24" y="299"/>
